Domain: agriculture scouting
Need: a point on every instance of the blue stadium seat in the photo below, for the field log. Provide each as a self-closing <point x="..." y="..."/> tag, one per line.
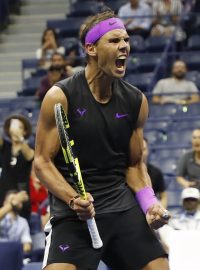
<point x="157" y="124"/>
<point x="88" y="9"/>
<point x="167" y="152"/>
<point x="153" y="136"/>
<point x="194" y="43"/>
<point x="71" y="43"/>
<point x="11" y="255"/>
<point x="156" y="43"/>
<point x="167" y="166"/>
<point x="141" y="80"/>
<point x="185" y="123"/>
<point x="147" y="62"/>
<point x="178" y="138"/>
<point x="164" y="110"/>
<point x="137" y="43"/>
<point x="115" y="5"/>
<point x="191" y="110"/>
<point x="33" y="266"/>
<point x="192" y="59"/>
<point x="66" y="27"/>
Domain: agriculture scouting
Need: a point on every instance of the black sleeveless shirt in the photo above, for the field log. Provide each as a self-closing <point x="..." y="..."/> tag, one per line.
<point x="101" y="133"/>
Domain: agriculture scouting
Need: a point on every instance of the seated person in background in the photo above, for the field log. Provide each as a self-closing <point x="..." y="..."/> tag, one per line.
<point x="187" y="219"/>
<point x="156" y="176"/>
<point x="13" y="227"/>
<point x="55" y="74"/>
<point x="188" y="169"/>
<point x="176" y="89"/>
<point x="38" y="194"/>
<point x="141" y="24"/>
<point x="17" y="156"/>
<point x="167" y="14"/>
<point x="49" y="45"/>
<point x="58" y="59"/>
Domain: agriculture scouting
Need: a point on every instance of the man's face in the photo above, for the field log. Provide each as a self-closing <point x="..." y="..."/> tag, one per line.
<point x="58" y="60"/>
<point x="190" y="204"/>
<point x="112" y="52"/>
<point x="134" y="3"/>
<point x="196" y="140"/>
<point x="179" y="70"/>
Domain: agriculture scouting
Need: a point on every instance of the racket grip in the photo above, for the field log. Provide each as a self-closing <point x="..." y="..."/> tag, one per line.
<point x="94" y="233"/>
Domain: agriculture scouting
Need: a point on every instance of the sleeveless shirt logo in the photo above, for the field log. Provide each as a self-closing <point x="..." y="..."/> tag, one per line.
<point x="81" y="112"/>
<point x="64" y="247"/>
<point x="118" y="115"/>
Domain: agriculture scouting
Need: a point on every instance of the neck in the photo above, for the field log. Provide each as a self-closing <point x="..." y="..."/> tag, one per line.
<point x="99" y="83"/>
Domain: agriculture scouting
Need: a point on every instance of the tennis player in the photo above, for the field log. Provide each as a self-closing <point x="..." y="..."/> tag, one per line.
<point x="107" y="117"/>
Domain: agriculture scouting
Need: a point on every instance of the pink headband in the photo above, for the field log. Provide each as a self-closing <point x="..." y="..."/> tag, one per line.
<point x="102" y="28"/>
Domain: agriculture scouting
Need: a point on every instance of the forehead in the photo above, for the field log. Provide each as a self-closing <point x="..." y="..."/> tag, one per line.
<point x="196" y="132"/>
<point x="179" y="64"/>
<point x="116" y="33"/>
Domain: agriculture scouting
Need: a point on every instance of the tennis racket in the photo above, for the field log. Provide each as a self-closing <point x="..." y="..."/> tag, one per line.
<point x="74" y="168"/>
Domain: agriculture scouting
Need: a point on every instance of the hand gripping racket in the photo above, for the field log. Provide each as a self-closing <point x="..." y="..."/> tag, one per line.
<point x="74" y="168"/>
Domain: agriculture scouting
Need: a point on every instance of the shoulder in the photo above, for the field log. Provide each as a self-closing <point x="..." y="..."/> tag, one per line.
<point x="188" y="155"/>
<point x="129" y="88"/>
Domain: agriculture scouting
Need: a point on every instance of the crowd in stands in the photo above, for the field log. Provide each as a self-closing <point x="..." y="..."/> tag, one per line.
<point x="158" y="67"/>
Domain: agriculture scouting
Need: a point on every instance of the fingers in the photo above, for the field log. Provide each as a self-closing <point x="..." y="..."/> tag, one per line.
<point x="157" y="216"/>
<point x="84" y="208"/>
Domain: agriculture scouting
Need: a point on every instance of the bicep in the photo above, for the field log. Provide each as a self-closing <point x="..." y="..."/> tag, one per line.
<point x="47" y="141"/>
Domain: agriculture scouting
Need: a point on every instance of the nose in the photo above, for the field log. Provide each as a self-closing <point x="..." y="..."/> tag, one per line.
<point x="123" y="45"/>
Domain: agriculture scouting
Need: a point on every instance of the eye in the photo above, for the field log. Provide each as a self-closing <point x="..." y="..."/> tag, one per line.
<point x="114" y="40"/>
<point x="127" y="39"/>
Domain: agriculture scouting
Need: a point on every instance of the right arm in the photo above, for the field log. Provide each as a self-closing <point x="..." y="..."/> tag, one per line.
<point x="47" y="146"/>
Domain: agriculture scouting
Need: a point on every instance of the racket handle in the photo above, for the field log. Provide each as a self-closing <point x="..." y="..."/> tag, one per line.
<point x="94" y="233"/>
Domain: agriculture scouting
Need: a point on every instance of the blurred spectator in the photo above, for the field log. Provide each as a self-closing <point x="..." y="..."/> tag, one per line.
<point x="141" y="24"/>
<point x="49" y="45"/>
<point x="156" y="176"/>
<point x="176" y="89"/>
<point x="55" y="74"/>
<point x="167" y="15"/>
<point x="38" y="194"/>
<point x="187" y="219"/>
<point x="58" y="59"/>
<point x="13" y="227"/>
<point x="17" y="156"/>
<point x="188" y="169"/>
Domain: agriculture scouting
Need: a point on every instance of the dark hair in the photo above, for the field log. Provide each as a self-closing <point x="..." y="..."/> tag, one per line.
<point x="57" y="53"/>
<point x="92" y="21"/>
<point x="44" y="33"/>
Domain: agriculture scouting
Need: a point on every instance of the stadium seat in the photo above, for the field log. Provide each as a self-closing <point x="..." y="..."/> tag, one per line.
<point x="174" y="198"/>
<point x="11" y="255"/>
<point x="33" y="266"/>
<point x="115" y="5"/>
<point x="167" y="166"/>
<point x="141" y="80"/>
<point x="163" y="110"/>
<point x="189" y="123"/>
<point x="156" y="43"/>
<point x="153" y="136"/>
<point x="167" y="152"/>
<point x="66" y="27"/>
<point x="194" y="43"/>
<point x="137" y="43"/>
<point x="178" y="138"/>
<point x="71" y="43"/>
<point x="191" y="110"/>
<point x="192" y="59"/>
<point x="157" y="124"/>
<point x="85" y="10"/>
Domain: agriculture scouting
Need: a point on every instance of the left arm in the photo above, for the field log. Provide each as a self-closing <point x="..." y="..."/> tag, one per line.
<point x="137" y="176"/>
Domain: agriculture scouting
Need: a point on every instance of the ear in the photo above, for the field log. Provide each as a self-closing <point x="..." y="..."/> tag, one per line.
<point x="90" y="49"/>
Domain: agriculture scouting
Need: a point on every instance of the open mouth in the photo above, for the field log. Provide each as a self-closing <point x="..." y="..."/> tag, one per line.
<point x="120" y="62"/>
